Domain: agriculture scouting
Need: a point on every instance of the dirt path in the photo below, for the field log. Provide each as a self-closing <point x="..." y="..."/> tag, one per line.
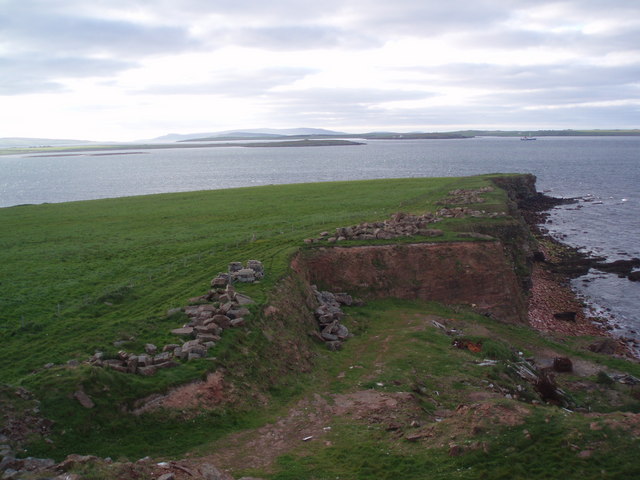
<point x="307" y="421"/>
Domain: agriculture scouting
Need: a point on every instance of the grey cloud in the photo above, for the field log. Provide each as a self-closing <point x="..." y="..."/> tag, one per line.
<point x="334" y="106"/>
<point x="341" y="97"/>
<point x="534" y="76"/>
<point x="35" y="31"/>
<point x="301" y="37"/>
<point x="237" y="84"/>
<point x="41" y="74"/>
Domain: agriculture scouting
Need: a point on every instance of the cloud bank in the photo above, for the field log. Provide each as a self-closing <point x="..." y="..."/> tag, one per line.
<point x="115" y="69"/>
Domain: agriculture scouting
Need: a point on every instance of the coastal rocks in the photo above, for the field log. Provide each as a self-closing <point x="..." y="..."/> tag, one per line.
<point x="566" y="316"/>
<point x="328" y="315"/>
<point x="209" y="315"/>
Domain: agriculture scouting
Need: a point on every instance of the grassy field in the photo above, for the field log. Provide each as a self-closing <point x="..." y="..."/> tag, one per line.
<point x="77" y="277"/>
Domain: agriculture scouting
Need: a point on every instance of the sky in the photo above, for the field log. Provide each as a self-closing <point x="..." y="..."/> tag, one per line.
<point x="123" y="70"/>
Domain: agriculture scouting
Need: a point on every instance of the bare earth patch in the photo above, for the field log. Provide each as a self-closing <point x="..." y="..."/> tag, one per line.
<point x="208" y="393"/>
<point x="309" y="420"/>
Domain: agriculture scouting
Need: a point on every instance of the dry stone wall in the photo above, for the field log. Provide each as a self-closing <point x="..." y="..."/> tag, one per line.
<point x="209" y="315"/>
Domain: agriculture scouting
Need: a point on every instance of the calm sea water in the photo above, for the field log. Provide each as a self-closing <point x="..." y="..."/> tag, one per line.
<point x="605" y="170"/>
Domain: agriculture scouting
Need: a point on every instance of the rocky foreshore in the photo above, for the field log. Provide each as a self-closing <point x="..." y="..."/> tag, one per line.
<point x="554" y="306"/>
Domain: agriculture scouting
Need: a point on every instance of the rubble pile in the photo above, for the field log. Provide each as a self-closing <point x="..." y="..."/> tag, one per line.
<point x="401" y="225"/>
<point x="463" y="196"/>
<point x="209" y="315"/>
<point x="329" y="315"/>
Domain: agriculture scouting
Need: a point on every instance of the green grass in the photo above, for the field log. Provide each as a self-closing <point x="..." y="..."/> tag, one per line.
<point x="89" y="273"/>
<point x="396" y="348"/>
<point x="75" y="277"/>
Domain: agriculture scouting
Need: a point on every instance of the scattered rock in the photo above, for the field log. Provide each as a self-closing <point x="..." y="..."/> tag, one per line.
<point x="73" y="461"/>
<point x="328" y="315"/>
<point x="183" y="331"/>
<point x="209" y="472"/>
<point x="606" y="346"/>
<point x="566" y="316"/>
<point x="562" y="364"/>
<point x="84" y="399"/>
<point x="463" y="196"/>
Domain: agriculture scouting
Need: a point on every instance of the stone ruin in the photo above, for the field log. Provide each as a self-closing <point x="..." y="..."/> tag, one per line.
<point x="209" y="315"/>
<point x="463" y="196"/>
<point x="253" y="272"/>
<point x="328" y="315"/>
<point x="401" y="225"/>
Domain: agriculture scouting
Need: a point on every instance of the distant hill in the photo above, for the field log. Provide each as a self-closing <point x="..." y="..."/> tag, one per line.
<point x="248" y="133"/>
<point x="25" y="142"/>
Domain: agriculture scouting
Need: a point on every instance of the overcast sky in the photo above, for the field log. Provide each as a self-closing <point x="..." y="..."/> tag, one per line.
<point x="135" y="69"/>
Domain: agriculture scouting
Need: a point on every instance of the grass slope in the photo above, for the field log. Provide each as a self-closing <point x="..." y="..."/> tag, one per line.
<point x="76" y="277"/>
<point x="398" y="349"/>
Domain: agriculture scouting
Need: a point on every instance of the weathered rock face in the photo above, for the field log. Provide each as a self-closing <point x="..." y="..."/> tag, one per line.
<point x="474" y="273"/>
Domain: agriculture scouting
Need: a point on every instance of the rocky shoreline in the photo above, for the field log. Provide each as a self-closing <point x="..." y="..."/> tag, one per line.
<point x="554" y="307"/>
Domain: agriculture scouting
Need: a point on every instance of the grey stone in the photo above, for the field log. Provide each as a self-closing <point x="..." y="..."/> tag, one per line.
<point x="194" y="356"/>
<point x="207" y="337"/>
<point x="167" y="476"/>
<point x="84" y="399"/>
<point x="237" y="322"/>
<point x="234" y="267"/>
<point x="147" y="371"/>
<point x="243" y="299"/>
<point x="167" y="364"/>
<point x="9" y="461"/>
<point x="32" y="464"/>
<point x="150" y="348"/>
<point x="209" y="472"/>
<point x="183" y="332"/>
<point x="10" y="474"/>
<point x="221" y="320"/>
<point x="132" y="364"/>
<point x="245" y="275"/>
<point x="342" y="332"/>
<point x="238" y="312"/>
<point x="161" y="358"/>
<point x="329" y="337"/>
<point x="144" y="360"/>
<point x="174" y="311"/>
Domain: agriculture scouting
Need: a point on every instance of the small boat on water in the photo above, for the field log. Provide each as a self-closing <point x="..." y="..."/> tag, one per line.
<point x="527" y="138"/>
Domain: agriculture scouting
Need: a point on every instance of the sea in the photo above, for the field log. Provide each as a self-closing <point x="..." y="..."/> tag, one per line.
<point x="602" y="173"/>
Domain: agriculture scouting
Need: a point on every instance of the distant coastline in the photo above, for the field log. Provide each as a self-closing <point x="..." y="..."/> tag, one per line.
<point x="17" y="146"/>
